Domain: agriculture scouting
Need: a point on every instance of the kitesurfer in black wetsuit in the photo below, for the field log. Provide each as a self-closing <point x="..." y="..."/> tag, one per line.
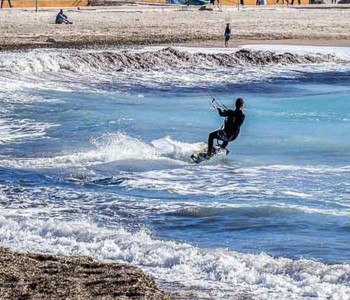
<point x="229" y="132"/>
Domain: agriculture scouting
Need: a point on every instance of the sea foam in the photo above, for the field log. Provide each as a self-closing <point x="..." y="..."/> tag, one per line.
<point x="213" y="273"/>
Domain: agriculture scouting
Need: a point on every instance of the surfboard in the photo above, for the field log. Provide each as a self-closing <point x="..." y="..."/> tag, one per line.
<point x="201" y="155"/>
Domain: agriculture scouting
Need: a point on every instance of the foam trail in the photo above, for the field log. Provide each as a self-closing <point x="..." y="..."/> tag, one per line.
<point x="12" y="130"/>
<point x="108" y="148"/>
<point x="175" y="149"/>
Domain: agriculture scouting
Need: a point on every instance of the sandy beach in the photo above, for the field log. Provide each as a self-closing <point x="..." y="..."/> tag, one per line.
<point x="142" y="25"/>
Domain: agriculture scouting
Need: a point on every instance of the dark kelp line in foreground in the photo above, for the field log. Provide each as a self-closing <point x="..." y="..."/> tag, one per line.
<point x="43" y="276"/>
<point x="161" y="59"/>
<point x="175" y="58"/>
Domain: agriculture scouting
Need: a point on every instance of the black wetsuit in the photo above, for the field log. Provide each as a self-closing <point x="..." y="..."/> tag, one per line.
<point x="232" y="125"/>
<point x="227" y="33"/>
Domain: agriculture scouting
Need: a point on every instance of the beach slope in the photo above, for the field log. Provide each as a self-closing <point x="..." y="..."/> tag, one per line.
<point x="41" y="276"/>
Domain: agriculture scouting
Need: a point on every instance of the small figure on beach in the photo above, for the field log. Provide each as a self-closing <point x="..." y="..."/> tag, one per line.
<point x="292" y="3"/>
<point x="227" y="34"/>
<point x="212" y="2"/>
<point x="9" y="2"/>
<point x="230" y="131"/>
<point x="62" y="18"/>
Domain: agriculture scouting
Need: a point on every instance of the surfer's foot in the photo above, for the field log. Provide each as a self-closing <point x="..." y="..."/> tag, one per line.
<point x="210" y="152"/>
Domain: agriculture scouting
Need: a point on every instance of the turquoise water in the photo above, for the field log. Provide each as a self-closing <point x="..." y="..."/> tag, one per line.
<point x="96" y="161"/>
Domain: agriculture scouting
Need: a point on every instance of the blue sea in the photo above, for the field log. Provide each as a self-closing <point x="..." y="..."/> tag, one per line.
<point x="95" y="152"/>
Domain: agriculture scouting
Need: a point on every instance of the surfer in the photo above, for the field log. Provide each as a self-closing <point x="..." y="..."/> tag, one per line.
<point x="230" y="130"/>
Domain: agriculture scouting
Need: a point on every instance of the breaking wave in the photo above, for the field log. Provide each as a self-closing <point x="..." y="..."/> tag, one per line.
<point x="203" y="273"/>
<point x="83" y="62"/>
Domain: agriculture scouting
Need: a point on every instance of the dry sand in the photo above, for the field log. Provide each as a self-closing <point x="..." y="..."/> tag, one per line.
<point x="140" y="25"/>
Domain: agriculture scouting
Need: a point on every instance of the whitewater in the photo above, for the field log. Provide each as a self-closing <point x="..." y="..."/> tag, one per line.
<point x="95" y="152"/>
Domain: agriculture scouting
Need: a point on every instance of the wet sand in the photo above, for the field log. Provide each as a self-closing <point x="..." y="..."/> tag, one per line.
<point x="43" y="276"/>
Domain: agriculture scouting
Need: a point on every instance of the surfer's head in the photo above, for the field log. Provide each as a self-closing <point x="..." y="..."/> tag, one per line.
<point x="239" y="103"/>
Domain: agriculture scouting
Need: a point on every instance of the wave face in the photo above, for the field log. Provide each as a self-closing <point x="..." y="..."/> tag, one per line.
<point x="95" y="160"/>
<point x="83" y="62"/>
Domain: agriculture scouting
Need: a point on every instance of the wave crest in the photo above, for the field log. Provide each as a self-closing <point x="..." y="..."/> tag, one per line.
<point x="83" y="62"/>
<point x="215" y="273"/>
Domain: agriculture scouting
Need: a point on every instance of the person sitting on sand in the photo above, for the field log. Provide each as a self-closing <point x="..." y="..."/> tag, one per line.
<point x="233" y="122"/>
<point x="62" y="18"/>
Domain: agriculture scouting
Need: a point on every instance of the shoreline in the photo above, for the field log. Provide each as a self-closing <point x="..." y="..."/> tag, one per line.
<point x="35" y="276"/>
<point x="236" y="43"/>
<point x="190" y="44"/>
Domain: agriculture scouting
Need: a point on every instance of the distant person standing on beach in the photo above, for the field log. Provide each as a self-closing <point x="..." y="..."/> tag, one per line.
<point x="9" y="1"/>
<point x="227" y="34"/>
<point x="62" y="18"/>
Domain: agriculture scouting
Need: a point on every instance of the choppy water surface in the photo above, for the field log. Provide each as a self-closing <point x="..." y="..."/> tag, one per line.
<point x="94" y="160"/>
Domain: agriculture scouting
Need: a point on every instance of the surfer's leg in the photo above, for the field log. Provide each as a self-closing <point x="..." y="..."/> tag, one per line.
<point x="226" y="141"/>
<point x="224" y="145"/>
<point x="213" y="135"/>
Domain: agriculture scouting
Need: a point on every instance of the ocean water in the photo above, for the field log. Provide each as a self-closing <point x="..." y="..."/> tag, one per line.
<point x="94" y="160"/>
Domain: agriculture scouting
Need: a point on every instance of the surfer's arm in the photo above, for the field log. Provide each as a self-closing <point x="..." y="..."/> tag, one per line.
<point x="223" y="112"/>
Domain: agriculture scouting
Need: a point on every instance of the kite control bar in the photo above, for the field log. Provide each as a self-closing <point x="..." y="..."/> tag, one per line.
<point x="215" y="104"/>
